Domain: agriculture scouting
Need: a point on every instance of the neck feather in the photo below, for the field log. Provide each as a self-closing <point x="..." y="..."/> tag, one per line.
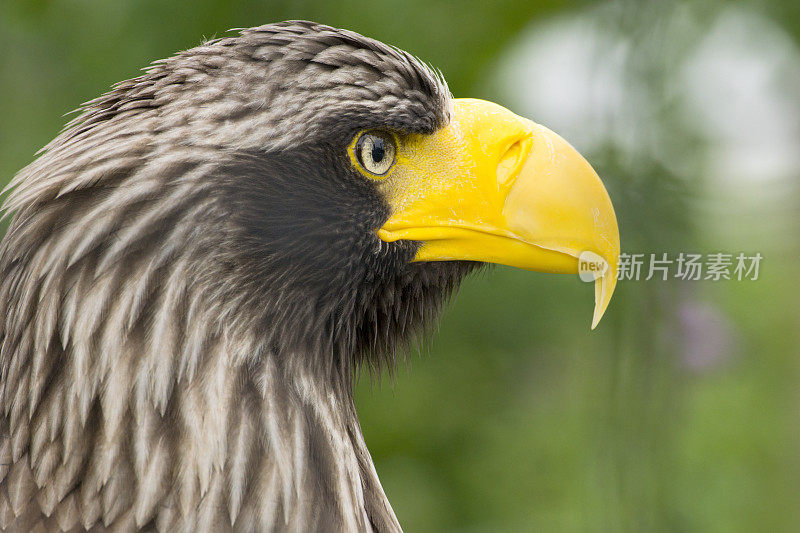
<point x="239" y="442"/>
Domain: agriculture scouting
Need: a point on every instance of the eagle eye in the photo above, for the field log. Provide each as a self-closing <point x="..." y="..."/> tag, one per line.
<point x="376" y="152"/>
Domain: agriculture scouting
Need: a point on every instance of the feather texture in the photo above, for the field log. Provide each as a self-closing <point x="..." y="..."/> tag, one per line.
<point x="189" y="283"/>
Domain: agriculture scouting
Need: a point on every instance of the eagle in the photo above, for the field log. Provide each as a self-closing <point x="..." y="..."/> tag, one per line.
<point x="202" y="262"/>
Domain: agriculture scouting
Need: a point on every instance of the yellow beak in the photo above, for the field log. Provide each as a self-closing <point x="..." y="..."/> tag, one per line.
<point x="492" y="186"/>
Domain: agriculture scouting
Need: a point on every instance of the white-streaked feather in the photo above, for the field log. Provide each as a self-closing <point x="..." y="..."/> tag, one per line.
<point x="139" y="390"/>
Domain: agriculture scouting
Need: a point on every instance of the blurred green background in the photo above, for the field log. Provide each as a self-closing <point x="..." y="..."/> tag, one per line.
<point x="681" y="412"/>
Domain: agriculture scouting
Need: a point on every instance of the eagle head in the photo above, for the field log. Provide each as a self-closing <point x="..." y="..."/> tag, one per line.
<point x="200" y="262"/>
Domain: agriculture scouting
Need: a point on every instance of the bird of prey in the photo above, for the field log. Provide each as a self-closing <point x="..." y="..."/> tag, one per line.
<point x="202" y="260"/>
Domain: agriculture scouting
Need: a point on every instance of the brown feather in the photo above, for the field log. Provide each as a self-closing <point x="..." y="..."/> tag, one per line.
<point x="160" y="367"/>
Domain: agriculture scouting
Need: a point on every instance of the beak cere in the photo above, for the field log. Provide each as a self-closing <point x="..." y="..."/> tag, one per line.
<point x="494" y="187"/>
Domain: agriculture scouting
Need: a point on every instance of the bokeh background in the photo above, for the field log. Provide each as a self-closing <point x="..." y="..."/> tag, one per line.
<point x="681" y="411"/>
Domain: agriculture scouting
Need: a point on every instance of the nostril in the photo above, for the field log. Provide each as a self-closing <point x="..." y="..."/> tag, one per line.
<point x="510" y="162"/>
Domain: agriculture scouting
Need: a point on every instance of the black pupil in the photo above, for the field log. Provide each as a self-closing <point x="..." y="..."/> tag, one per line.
<point x="378" y="149"/>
